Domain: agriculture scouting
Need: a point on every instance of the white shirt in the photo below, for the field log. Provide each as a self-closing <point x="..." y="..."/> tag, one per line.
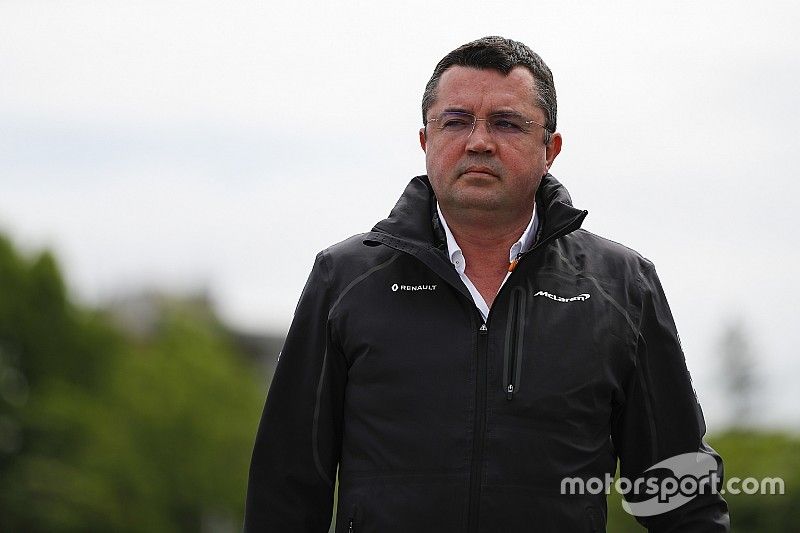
<point x="524" y="244"/>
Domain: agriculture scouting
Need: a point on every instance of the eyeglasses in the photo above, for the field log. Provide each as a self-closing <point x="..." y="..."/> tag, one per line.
<point x="460" y="123"/>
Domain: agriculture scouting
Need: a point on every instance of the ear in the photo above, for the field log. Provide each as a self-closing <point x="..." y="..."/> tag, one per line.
<point x="553" y="149"/>
<point x="422" y="140"/>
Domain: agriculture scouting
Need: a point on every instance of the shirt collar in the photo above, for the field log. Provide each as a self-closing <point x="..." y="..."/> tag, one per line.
<point x="522" y="245"/>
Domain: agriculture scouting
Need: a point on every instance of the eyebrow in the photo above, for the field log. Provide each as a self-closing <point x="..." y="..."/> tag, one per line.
<point x="456" y="110"/>
<point x="505" y="112"/>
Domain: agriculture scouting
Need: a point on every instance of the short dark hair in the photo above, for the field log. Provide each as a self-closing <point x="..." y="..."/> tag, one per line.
<point x="499" y="53"/>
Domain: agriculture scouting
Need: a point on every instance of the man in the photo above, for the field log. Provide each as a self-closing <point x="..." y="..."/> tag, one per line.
<point x="477" y="347"/>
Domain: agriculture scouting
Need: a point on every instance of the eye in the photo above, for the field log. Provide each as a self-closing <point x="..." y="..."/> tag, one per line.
<point x="455" y="121"/>
<point x="507" y="123"/>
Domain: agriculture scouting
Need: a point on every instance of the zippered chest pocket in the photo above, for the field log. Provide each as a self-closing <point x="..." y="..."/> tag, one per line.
<point x="548" y="342"/>
<point x="559" y="348"/>
<point x="514" y="342"/>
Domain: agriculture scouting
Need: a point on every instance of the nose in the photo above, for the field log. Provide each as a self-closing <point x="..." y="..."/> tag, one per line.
<point x="480" y="139"/>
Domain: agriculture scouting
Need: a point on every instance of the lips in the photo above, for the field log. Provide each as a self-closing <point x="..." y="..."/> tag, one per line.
<point x="479" y="169"/>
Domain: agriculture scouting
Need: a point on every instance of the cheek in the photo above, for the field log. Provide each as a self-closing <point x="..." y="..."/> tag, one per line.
<point x="436" y="160"/>
<point x="442" y="157"/>
<point x="532" y="159"/>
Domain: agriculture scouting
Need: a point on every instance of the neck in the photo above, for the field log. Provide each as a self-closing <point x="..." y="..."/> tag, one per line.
<point x="485" y="247"/>
<point x="486" y="240"/>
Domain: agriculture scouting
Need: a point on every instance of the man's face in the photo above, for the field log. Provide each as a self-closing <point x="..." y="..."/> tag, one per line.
<point x="487" y="171"/>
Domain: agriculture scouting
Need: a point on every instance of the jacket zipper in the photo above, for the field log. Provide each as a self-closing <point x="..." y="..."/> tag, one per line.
<point x="479" y="428"/>
<point x="515" y="329"/>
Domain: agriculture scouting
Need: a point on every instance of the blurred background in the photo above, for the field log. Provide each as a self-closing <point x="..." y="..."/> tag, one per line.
<point x="168" y="171"/>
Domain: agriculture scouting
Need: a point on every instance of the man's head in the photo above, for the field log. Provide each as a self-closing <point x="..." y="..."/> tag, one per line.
<point x="501" y="54"/>
<point x="489" y="135"/>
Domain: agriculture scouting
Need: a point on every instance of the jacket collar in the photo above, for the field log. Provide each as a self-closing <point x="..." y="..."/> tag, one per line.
<point x="558" y="216"/>
<point x="414" y="219"/>
<point x="413" y="226"/>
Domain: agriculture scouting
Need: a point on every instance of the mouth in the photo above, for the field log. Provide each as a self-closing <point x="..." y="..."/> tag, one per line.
<point x="479" y="170"/>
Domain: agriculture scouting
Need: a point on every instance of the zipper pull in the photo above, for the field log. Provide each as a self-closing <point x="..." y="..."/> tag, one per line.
<point x="483" y="330"/>
<point x="513" y="264"/>
<point x="509" y="391"/>
<point x="350" y="527"/>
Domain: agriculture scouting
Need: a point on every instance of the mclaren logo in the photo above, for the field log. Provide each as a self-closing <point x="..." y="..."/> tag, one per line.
<point x="397" y="287"/>
<point x="578" y="298"/>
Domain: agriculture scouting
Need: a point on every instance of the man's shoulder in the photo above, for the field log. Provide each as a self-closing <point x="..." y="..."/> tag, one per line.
<point x="607" y="245"/>
<point x="348" y="247"/>
<point x="601" y="254"/>
<point x="354" y="255"/>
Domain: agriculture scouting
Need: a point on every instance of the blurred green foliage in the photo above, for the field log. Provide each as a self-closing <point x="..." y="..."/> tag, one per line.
<point x="103" y="432"/>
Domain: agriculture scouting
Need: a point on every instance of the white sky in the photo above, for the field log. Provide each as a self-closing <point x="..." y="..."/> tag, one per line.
<point x="221" y="145"/>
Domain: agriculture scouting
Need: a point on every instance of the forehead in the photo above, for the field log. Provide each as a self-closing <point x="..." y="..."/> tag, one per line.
<point x="486" y="90"/>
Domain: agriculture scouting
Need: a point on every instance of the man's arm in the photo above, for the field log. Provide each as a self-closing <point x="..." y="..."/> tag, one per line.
<point x="298" y="444"/>
<point x="660" y="417"/>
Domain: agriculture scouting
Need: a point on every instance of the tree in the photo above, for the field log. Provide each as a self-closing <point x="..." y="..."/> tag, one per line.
<point x="738" y="372"/>
<point x="101" y="431"/>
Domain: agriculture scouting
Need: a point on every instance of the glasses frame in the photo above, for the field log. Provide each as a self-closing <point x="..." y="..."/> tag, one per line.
<point x="486" y="119"/>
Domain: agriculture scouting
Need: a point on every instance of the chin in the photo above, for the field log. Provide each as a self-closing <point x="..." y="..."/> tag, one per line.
<point x="479" y="201"/>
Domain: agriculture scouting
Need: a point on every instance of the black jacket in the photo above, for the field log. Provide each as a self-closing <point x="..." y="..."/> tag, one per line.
<point x="441" y="423"/>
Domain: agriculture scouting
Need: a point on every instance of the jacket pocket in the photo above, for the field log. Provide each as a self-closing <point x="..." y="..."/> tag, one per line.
<point x="512" y="350"/>
<point x="352" y="520"/>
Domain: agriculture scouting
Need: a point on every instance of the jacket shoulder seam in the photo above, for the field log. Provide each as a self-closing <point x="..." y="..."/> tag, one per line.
<point x="361" y="278"/>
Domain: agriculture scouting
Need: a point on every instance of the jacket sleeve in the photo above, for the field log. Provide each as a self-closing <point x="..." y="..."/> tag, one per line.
<point x="298" y="444"/>
<point x="660" y="417"/>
